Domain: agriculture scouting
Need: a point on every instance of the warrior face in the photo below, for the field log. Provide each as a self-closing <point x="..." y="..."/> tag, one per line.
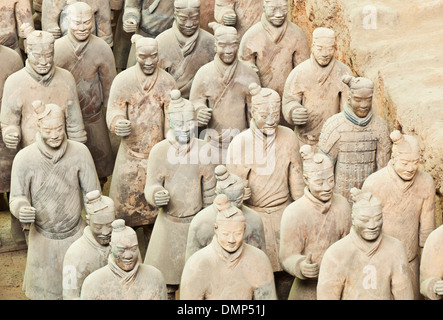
<point x="41" y="57"/>
<point x="321" y="184"/>
<point x="147" y="58"/>
<point x="368" y="222"/>
<point x="230" y="234"/>
<point x="52" y="130"/>
<point x="182" y="124"/>
<point x="275" y="11"/>
<point x="188" y="20"/>
<point x="361" y="101"/>
<point x="267" y="117"/>
<point x="125" y="252"/>
<point x="406" y="164"/>
<point x="81" y="23"/>
<point x="226" y="46"/>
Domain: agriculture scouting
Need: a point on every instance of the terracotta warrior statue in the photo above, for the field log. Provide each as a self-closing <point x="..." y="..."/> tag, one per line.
<point x="125" y="277"/>
<point x="181" y="185"/>
<point x="241" y="14"/>
<point x="13" y="14"/>
<point x="148" y="18"/>
<point x="407" y="196"/>
<point x="274" y="45"/>
<point x="431" y="266"/>
<point x="367" y="264"/>
<point x="90" y="252"/>
<point x="201" y="229"/>
<point x="41" y="80"/>
<point x="49" y="181"/>
<point x="356" y="139"/>
<point x="56" y="21"/>
<point x="185" y="47"/>
<point x="311" y="224"/>
<point x="137" y="108"/>
<point x="313" y="91"/>
<point x="91" y="62"/>
<point x="228" y="268"/>
<point x="220" y="92"/>
<point x="267" y="156"/>
<point x="10" y="62"/>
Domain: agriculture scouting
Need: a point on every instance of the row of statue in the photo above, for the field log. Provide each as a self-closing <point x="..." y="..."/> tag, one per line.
<point x="252" y="163"/>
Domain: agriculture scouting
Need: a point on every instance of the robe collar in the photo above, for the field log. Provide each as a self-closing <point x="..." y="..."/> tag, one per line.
<point x="103" y="250"/>
<point x="186" y="44"/>
<point x="231" y="259"/>
<point x="44" y="80"/>
<point x="126" y="278"/>
<point x="322" y="73"/>
<point x="351" y="116"/>
<point x="52" y="154"/>
<point x="275" y="33"/>
<point x="226" y="71"/>
<point x="368" y="247"/>
<point x="78" y="46"/>
<point x="146" y="82"/>
<point x="322" y="207"/>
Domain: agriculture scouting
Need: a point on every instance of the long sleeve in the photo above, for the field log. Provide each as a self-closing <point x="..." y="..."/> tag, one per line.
<point x="88" y="178"/>
<point x="223" y="7"/>
<point x="296" y="182"/>
<point x="23" y="14"/>
<point x="303" y="51"/>
<point x="103" y="22"/>
<point x="401" y="283"/>
<point x="154" y="176"/>
<point x="20" y="185"/>
<point x="292" y="96"/>
<point x="208" y="185"/>
<point x="11" y="110"/>
<point x="132" y="9"/>
<point x="51" y="11"/>
<point x="246" y="52"/>
<point x="330" y="282"/>
<point x="384" y="147"/>
<point x="107" y="73"/>
<point x="427" y="216"/>
<point x="117" y="104"/>
<point x="75" y="127"/>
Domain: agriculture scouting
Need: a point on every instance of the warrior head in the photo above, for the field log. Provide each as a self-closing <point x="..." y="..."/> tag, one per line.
<point x="275" y="11"/>
<point x="318" y="173"/>
<point x="226" y="42"/>
<point x="81" y="20"/>
<point x="323" y="45"/>
<point x="367" y="217"/>
<point x="100" y="213"/>
<point x="124" y="245"/>
<point x="146" y="52"/>
<point x="50" y="123"/>
<point x="39" y="46"/>
<point x="181" y="117"/>
<point x="266" y="106"/>
<point x="405" y="155"/>
<point x="187" y="16"/>
<point x="230" y="224"/>
<point x="360" y="94"/>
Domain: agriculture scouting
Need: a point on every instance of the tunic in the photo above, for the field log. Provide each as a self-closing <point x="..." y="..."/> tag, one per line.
<point x="408" y="210"/>
<point x="310" y="226"/>
<point x="55" y="184"/>
<point x="273" y="169"/>
<point x="82" y="258"/>
<point x="201" y="229"/>
<point x="54" y="15"/>
<point x="92" y="65"/>
<point x="111" y="283"/>
<point x="224" y="89"/>
<point x="212" y="273"/>
<point x="356" y="151"/>
<point x="13" y="14"/>
<point x="26" y="86"/>
<point x="320" y="90"/>
<point x="248" y="13"/>
<point x="182" y="56"/>
<point x="10" y="62"/>
<point x="144" y="101"/>
<point x="274" y="52"/>
<point x="431" y="265"/>
<point x="353" y="269"/>
<point x="191" y="187"/>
